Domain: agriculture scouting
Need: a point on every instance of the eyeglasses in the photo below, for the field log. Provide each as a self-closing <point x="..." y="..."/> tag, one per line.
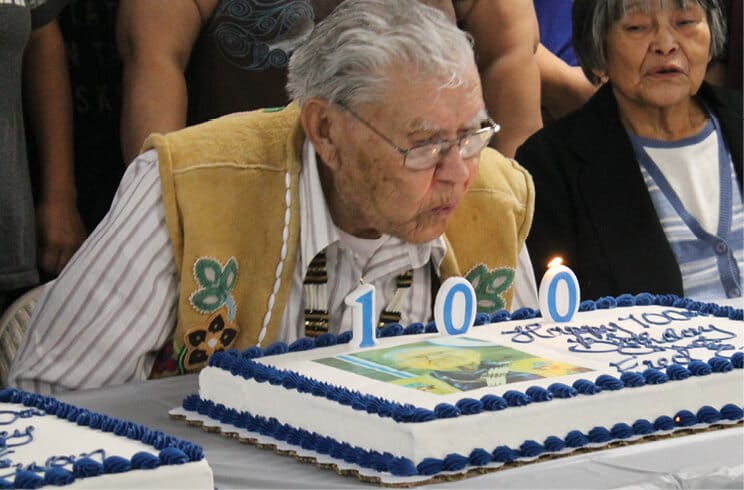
<point x="426" y="155"/>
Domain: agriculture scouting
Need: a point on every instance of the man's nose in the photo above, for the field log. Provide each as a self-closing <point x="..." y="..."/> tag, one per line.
<point x="452" y="167"/>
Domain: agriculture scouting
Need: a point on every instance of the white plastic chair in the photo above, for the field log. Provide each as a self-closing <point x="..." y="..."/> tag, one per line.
<point x="13" y="323"/>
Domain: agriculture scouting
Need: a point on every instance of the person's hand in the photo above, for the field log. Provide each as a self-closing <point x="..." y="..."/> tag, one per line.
<point x="59" y="231"/>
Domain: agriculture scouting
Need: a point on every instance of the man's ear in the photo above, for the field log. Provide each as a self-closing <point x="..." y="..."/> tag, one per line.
<point x="318" y="118"/>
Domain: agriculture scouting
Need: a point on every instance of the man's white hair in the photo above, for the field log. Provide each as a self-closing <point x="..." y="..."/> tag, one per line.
<point x="349" y="56"/>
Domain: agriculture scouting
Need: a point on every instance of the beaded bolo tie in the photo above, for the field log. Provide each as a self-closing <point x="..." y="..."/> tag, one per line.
<point x="315" y="287"/>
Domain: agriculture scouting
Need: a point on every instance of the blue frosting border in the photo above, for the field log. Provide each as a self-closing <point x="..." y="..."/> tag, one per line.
<point x="172" y="451"/>
<point x="242" y="364"/>
<point x="401" y="466"/>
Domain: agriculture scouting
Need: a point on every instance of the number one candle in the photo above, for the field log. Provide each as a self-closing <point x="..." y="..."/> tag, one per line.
<point x="559" y="293"/>
<point x="362" y="304"/>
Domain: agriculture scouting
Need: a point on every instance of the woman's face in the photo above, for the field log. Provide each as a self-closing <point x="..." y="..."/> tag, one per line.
<point x="658" y="57"/>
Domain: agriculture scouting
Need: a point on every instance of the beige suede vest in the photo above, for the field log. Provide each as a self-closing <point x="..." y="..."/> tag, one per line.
<point x="230" y="190"/>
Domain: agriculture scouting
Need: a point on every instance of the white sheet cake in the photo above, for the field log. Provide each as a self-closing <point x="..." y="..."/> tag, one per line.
<point x="417" y="407"/>
<point x="45" y="442"/>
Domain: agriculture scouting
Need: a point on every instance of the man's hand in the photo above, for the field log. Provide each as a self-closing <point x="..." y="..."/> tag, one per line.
<point x="60" y="231"/>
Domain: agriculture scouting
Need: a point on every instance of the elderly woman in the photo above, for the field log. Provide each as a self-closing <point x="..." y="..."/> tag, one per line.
<point x="640" y="189"/>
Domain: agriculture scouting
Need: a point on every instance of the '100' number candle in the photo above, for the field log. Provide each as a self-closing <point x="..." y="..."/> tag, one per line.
<point x="559" y="294"/>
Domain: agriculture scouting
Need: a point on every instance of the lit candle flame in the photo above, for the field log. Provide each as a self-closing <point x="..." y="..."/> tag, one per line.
<point x="677" y="419"/>
<point x="555" y="262"/>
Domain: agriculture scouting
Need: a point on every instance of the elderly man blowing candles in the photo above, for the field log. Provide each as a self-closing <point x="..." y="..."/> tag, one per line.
<point x="254" y="227"/>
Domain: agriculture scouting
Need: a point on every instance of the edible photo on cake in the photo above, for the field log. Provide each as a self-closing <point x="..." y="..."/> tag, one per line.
<point x="450" y="365"/>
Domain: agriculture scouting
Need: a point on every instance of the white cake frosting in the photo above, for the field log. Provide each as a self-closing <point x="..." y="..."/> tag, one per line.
<point x="40" y="448"/>
<point x="654" y="363"/>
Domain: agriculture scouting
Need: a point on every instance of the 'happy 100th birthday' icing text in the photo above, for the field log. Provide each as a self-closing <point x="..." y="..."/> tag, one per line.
<point x="639" y="340"/>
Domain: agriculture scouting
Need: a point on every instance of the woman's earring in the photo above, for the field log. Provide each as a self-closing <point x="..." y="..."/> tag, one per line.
<point x="601" y="75"/>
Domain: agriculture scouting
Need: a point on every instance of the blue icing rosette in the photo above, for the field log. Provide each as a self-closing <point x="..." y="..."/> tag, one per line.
<point x="326" y="340"/>
<point x="606" y="303"/>
<point x="390" y="330"/>
<point x="664" y="423"/>
<point x="560" y="390"/>
<point x="480" y="457"/>
<point x="655" y="377"/>
<point x="720" y="364"/>
<point x="493" y="402"/>
<point x="344" y="337"/>
<point x="554" y="444"/>
<point x="446" y="411"/>
<point x="430" y="466"/>
<point x="481" y="318"/>
<point x="732" y="412"/>
<point x="414" y="329"/>
<point x="86" y="468"/>
<point x="58" y="476"/>
<point x="626" y="300"/>
<point x="599" y="434"/>
<point x="276" y="348"/>
<point x="145" y="461"/>
<point x="677" y="372"/>
<point x="500" y="316"/>
<point x="531" y="449"/>
<point x="251" y="353"/>
<point x="402" y="467"/>
<point x="516" y="398"/>
<point x="632" y="379"/>
<point x="116" y="464"/>
<point x="524" y="314"/>
<point x="643" y="427"/>
<point x="505" y="454"/>
<point x="737" y="360"/>
<point x="699" y="368"/>
<point x="708" y="415"/>
<point x="27" y="479"/>
<point x="469" y="406"/>
<point x="539" y="394"/>
<point x="621" y="431"/>
<point x="587" y="305"/>
<point x="586" y="387"/>
<point x="455" y="462"/>
<point x="685" y="418"/>
<point x="576" y="439"/>
<point x="607" y="382"/>
<point x="301" y="344"/>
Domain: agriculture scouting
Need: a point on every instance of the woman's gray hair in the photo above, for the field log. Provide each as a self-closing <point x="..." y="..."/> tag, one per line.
<point x="592" y="20"/>
<point x="348" y="56"/>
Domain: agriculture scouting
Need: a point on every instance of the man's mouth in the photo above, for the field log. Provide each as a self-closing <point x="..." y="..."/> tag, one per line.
<point x="443" y="210"/>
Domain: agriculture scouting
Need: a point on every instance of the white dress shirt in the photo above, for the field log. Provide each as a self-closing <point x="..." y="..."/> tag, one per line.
<point x="105" y="318"/>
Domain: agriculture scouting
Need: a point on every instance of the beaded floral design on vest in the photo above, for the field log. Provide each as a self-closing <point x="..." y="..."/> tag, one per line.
<point x="213" y="298"/>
